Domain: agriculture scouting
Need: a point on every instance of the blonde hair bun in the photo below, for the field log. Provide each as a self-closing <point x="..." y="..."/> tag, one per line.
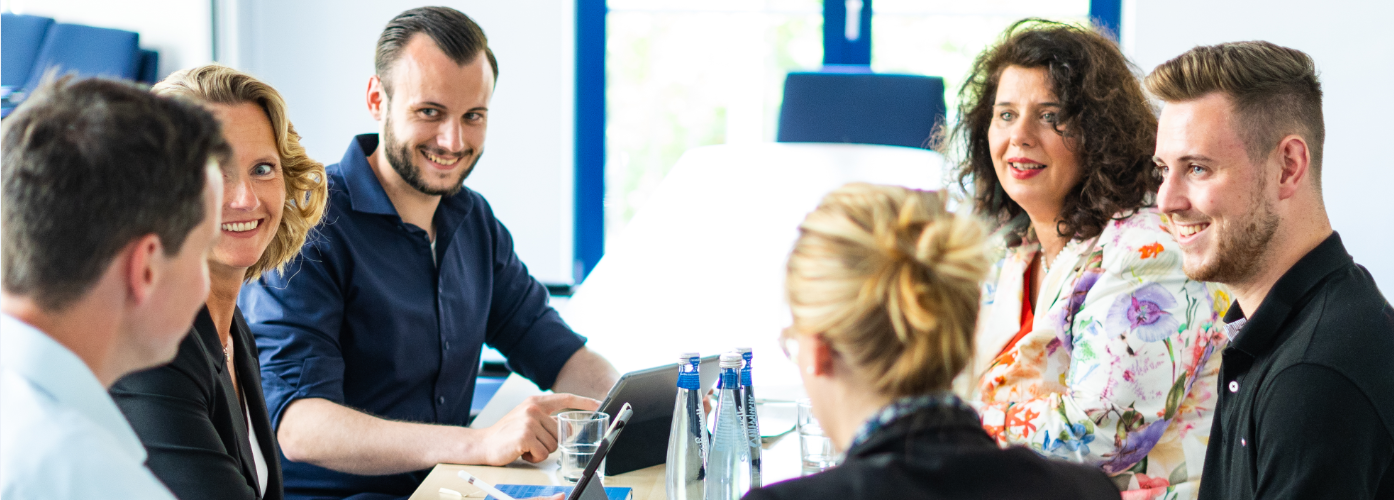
<point x="890" y="278"/>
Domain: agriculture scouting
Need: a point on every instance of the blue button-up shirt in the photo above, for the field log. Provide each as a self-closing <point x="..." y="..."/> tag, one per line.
<point x="365" y="317"/>
<point x="61" y="435"/>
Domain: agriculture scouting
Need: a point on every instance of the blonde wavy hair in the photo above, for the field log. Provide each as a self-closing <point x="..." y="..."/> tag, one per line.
<point x="307" y="190"/>
<point x="890" y="279"/>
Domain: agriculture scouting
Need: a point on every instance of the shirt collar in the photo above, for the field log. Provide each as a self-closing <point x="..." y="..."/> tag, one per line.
<point x="1261" y="329"/>
<point x="56" y="371"/>
<point x="364" y="190"/>
<point x="900" y="408"/>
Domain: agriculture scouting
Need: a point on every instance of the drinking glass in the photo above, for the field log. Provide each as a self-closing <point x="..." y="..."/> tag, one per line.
<point x="578" y="435"/>
<point x="815" y="447"/>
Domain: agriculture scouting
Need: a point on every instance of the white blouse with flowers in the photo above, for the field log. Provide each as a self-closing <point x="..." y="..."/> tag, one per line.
<point x="1119" y="367"/>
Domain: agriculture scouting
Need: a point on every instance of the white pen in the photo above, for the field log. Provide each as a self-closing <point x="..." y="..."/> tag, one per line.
<point x="488" y="488"/>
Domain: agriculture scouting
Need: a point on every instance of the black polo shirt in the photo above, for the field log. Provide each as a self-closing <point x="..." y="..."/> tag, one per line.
<point x="1306" y="407"/>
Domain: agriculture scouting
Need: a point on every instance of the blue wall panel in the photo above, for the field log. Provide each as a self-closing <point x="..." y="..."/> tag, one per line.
<point x="589" y="233"/>
<point x="1107" y="14"/>
<point x="837" y="49"/>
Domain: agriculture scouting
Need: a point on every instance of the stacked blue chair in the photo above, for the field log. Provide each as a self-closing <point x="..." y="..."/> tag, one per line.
<point x="861" y="107"/>
<point x="69" y="48"/>
<point x="149" y="67"/>
<point x="87" y="51"/>
<point x="20" y="39"/>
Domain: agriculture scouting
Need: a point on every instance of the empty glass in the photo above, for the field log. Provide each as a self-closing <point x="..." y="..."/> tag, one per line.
<point x="578" y="437"/>
<point x="815" y="447"/>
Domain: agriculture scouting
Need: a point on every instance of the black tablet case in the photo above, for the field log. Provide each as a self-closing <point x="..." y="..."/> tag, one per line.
<point x="651" y="394"/>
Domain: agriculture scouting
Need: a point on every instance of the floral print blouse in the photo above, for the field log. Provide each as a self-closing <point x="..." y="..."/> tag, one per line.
<point x="1120" y="366"/>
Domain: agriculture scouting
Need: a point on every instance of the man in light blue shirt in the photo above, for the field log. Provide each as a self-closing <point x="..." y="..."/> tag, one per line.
<point x="111" y="202"/>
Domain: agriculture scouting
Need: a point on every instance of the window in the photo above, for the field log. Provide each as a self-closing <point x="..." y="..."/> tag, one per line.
<point x="687" y="73"/>
<point x="941" y="38"/>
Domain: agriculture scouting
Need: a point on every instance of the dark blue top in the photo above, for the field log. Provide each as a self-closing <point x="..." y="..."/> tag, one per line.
<point x="363" y="317"/>
<point x="1305" y="407"/>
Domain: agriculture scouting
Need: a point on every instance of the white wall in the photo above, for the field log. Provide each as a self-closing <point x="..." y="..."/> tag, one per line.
<point x="181" y="30"/>
<point x="1347" y="38"/>
<point x="319" y="55"/>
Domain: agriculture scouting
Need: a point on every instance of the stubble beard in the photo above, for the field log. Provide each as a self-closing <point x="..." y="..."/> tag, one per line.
<point x="400" y="156"/>
<point x="1239" y="254"/>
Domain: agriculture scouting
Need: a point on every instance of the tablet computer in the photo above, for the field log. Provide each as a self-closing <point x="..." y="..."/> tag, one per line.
<point x="651" y="394"/>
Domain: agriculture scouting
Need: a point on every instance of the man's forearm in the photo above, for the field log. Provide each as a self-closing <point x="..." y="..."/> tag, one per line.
<point x="332" y="436"/>
<point x="586" y="374"/>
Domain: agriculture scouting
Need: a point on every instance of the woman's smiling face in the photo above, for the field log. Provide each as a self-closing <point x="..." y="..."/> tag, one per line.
<point x="254" y="190"/>
<point x="1036" y="165"/>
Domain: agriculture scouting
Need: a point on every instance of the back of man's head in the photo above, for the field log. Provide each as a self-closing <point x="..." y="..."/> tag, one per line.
<point x="458" y="36"/>
<point x="1275" y="92"/>
<point x="89" y="166"/>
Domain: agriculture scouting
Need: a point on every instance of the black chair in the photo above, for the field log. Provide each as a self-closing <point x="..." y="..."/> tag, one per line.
<point x="861" y="108"/>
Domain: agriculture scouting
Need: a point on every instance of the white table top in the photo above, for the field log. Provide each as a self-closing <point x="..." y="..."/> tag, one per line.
<point x="780" y="459"/>
<point x="701" y="266"/>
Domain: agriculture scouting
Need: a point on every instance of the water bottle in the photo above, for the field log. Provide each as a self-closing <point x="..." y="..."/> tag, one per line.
<point x="687" y="441"/>
<point x="746" y="406"/>
<point x="728" y="462"/>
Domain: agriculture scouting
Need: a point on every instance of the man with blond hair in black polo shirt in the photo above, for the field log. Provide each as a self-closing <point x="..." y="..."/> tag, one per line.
<point x="1306" y="407"/>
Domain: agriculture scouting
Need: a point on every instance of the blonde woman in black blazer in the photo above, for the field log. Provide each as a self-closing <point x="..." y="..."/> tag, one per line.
<point x="883" y="287"/>
<point x="202" y="417"/>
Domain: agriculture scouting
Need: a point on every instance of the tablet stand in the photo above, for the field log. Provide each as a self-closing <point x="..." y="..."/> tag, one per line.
<point x="595" y="490"/>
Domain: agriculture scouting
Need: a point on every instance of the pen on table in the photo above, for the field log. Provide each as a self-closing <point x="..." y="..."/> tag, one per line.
<point x="488" y="488"/>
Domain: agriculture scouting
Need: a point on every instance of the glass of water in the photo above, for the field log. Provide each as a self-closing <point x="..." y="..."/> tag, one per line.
<point x="578" y="438"/>
<point x="815" y="447"/>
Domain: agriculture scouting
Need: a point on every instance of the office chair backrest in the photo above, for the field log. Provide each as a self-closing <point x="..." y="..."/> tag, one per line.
<point x="861" y="108"/>
<point x="88" y="51"/>
<point x="21" y="37"/>
<point x="149" y="67"/>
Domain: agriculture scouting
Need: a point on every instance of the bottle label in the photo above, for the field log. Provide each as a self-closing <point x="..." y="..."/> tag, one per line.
<point x="689" y="375"/>
<point x="752" y="421"/>
<point x="696" y="432"/>
<point x="745" y="370"/>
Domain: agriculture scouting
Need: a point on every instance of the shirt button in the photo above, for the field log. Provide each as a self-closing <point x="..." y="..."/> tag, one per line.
<point x="447" y="345"/>
<point x="1243" y="442"/>
<point x="441" y="399"/>
<point x="1233" y="386"/>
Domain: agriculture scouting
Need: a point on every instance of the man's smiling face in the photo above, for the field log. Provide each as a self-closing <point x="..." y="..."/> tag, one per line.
<point x="1219" y="204"/>
<point x="437" y="114"/>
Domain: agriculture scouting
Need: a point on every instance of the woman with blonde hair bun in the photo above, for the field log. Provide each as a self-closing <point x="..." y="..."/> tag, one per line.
<point x="883" y="285"/>
<point x="202" y="417"/>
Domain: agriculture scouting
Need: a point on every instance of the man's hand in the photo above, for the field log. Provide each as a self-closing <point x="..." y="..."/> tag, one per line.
<point x="530" y="431"/>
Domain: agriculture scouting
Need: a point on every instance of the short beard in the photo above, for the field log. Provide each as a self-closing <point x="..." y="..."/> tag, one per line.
<point x="1239" y="256"/>
<point x="400" y="157"/>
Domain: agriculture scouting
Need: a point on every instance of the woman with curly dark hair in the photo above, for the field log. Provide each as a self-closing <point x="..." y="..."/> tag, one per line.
<point x="1091" y="344"/>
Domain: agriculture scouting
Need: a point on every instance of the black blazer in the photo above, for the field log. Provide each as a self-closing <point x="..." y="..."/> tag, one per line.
<point x="191" y="422"/>
<point x="942" y="453"/>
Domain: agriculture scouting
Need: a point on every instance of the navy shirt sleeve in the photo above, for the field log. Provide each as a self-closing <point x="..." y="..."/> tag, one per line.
<point x="522" y="326"/>
<point x="297" y="332"/>
<point x="1318" y="437"/>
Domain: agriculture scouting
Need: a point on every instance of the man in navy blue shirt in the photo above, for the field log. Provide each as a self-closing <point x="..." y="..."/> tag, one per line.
<point x="370" y="340"/>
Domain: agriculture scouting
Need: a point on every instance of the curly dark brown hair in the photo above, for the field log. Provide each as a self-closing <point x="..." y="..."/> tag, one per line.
<point x="1103" y="112"/>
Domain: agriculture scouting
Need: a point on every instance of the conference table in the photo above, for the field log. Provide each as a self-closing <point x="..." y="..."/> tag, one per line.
<point x="700" y="267"/>
<point x="779" y="455"/>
